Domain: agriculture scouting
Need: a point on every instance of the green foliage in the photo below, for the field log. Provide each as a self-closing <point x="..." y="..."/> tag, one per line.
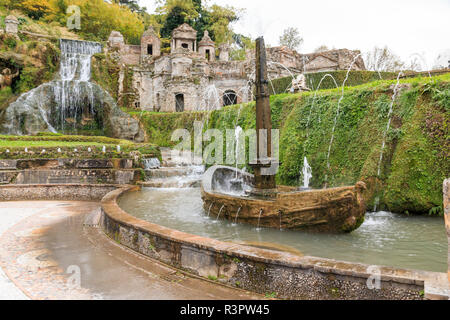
<point x="51" y="142"/>
<point x="5" y="95"/>
<point x="216" y="19"/>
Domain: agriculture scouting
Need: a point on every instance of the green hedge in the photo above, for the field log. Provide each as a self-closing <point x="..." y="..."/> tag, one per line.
<point x="355" y="78"/>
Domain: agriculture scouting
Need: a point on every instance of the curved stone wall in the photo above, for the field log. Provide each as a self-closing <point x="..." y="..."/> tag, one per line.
<point x="75" y="192"/>
<point x="260" y="270"/>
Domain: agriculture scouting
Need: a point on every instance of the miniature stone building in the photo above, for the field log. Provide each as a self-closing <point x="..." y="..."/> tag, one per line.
<point x="150" y="44"/>
<point x="207" y="48"/>
<point x="184" y="37"/>
<point x="116" y="40"/>
<point x="189" y="78"/>
<point x="11" y="25"/>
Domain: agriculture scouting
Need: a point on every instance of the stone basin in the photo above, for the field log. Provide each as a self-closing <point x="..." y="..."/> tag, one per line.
<point x="334" y="210"/>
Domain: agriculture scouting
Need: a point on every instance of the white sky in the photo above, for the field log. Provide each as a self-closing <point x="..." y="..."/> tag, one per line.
<point x="405" y="26"/>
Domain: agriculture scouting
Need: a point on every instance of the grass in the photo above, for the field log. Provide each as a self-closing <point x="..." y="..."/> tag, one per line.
<point x="67" y="144"/>
<point x="48" y="144"/>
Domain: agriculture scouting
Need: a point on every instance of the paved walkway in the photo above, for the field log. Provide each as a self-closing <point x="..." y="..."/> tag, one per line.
<point x="47" y="253"/>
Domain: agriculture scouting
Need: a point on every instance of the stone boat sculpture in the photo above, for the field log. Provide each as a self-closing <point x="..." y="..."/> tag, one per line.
<point x="334" y="210"/>
<point x="255" y="199"/>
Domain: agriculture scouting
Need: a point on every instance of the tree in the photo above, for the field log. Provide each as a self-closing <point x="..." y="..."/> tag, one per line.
<point x="35" y="9"/>
<point x="383" y="59"/>
<point x="216" y="19"/>
<point x="240" y="46"/>
<point x="176" y="13"/>
<point x="291" y="38"/>
<point x="321" y="48"/>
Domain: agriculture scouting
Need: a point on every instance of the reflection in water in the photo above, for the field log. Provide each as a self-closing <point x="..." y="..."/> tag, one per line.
<point x="384" y="238"/>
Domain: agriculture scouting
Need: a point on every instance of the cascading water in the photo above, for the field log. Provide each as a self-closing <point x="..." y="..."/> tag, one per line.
<point x="238" y="132"/>
<point x="307" y="174"/>
<point x="70" y="102"/>
<point x="74" y="93"/>
<point x="338" y="113"/>
<point x="152" y="163"/>
<point x="388" y="126"/>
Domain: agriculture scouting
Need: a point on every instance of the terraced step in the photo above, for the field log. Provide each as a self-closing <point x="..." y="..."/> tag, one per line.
<point x="166" y="172"/>
<point x="174" y="182"/>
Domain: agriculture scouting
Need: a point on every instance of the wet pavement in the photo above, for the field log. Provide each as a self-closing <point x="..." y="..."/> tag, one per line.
<point x="47" y="253"/>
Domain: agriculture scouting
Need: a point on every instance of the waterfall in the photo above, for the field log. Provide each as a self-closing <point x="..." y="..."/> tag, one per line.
<point x="152" y="163"/>
<point x="70" y="100"/>
<point x="307" y="173"/>
<point x="74" y="93"/>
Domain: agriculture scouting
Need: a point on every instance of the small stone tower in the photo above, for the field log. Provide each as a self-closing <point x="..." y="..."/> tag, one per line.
<point x="224" y="52"/>
<point x="116" y="40"/>
<point x="207" y="48"/>
<point x="184" y="37"/>
<point x="150" y="44"/>
<point x="11" y="25"/>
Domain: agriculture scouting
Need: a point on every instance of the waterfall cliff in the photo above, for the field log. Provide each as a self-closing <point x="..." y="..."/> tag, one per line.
<point x="70" y="103"/>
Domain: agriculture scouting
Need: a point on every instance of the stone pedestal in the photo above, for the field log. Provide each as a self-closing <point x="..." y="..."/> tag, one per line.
<point x="447" y="218"/>
<point x="11" y="25"/>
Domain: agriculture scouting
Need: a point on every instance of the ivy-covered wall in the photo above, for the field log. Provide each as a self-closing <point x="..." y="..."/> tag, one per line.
<point x="415" y="160"/>
<point x="36" y="61"/>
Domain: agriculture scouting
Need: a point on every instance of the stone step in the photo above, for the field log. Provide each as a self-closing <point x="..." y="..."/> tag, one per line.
<point x="178" y="159"/>
<point x="167" y="172"/>
<point x="172" y="183"/>
<point x="75" y="176"/>
<point x="8" y="164"/>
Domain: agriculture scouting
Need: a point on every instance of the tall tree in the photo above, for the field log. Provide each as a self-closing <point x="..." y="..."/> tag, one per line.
<point x="291" y="38"/>
<point x="383" y="59"/>
<point x="216" y="19"/>
<point x="321" y="48"/>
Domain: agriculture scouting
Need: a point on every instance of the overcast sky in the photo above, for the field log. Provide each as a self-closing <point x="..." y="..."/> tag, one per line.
<point x="405" y="26"/>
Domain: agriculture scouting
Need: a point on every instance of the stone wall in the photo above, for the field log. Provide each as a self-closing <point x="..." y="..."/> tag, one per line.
<point x="75" y="192"/>
<point x="68" y="171"/>
<point x="289" y="276"/>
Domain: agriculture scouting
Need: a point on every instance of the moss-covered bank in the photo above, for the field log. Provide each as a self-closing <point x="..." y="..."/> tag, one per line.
<point x="415" y="160"/>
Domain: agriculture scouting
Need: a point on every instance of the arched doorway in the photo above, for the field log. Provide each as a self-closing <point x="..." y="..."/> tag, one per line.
<point x="179" y="102"/>
<point x="229" y="98"/>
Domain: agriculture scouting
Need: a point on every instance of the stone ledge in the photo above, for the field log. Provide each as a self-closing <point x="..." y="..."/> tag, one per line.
<point x="255" y="269"/>
<point x="79" y="192"/>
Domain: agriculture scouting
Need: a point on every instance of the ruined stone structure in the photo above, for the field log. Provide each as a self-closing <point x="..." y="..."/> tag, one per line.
<point x="11" y="25"/>
<point x="192" y="77"/>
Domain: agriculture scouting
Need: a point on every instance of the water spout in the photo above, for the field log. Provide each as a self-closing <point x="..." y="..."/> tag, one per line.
<point x="209" y="210"/>
<point x="237" y="215"/>
<point x="259" y="218"/>
<point x="338" y="112"/>
<point x="307" y="173"/>
<point x="391" y="109"/>
<point x="220" y="211"/>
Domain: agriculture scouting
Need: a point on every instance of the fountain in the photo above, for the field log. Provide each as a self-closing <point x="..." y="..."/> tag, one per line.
<point x="268" y="205"/>
<point x="307" y="174"/>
